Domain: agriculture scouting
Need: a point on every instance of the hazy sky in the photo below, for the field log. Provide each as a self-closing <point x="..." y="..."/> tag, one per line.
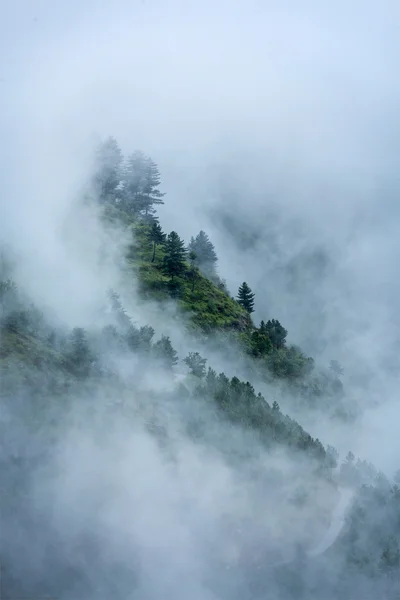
<point x="244" y="105"/>
<point x="251" y="109"/>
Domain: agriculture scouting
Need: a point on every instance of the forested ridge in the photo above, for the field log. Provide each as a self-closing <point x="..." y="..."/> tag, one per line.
<point x="46" y="366"/>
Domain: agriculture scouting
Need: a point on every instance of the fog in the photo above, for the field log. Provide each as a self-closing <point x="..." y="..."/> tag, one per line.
<point x="275" y="128"/>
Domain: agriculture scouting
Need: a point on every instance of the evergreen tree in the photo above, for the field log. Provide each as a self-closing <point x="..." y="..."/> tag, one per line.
<point x="157" y="236"/>
<point x="133" y="179"/>
<point x="175" y="255"/>
<point x="276" y="333"/>
<point x="206" y="257"/>
<point x="196" y="364"/>
<point x="108" y="169"/>
<point x="164" y="352"/>
<point x="141" y="182"/>
<point x="260" y="341"/>
<point x="151" y="194"/>
<point x="246" y="297"/>
<point x="146" y="334"/>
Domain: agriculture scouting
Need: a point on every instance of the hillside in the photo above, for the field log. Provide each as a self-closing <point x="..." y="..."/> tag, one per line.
<point x="81" y="398"/>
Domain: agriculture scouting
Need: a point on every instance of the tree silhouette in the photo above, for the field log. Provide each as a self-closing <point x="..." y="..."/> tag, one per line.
<point x="196" y="363"/>
<point x="175" y="255"/>
<point x="141" y="181"/>
<point x="108" y="169"/>
<point x="245" y="297"/>
<point x="206" y="257"/>
<point x="164" y="352"/>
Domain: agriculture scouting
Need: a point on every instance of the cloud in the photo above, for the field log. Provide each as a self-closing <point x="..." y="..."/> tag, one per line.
<point x="275" y="120"/>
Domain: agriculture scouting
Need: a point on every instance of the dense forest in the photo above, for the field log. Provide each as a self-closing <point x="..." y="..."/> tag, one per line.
<point x="50" y="372"/>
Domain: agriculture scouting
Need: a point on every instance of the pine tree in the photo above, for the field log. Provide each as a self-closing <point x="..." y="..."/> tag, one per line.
<point x="246" y="297"/>
<point x="196" y="364"/>
<point x="141" y="183"/>
<point x="260" y="341"/>
<point x="151" y="194"/>
<point x="206" y="257"/>
<point x="175" y="255"/>
<point x="164" y="352"/>
<point x="134" y="181"/>
<point x="277" y="333"/>
<point x="157" y="236"/>
<point x="108" y="169"/>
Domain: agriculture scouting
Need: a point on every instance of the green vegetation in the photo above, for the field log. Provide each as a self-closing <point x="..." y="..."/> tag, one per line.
<point x="246" y="297"/>
<point x="53" y="361"/>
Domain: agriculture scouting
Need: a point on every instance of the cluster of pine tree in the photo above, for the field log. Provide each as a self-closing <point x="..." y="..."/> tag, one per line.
<point x="132" y="183"/>
<point x="168" y="266"/>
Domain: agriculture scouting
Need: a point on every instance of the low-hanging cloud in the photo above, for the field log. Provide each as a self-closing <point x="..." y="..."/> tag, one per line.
<point x="282" y="118"/>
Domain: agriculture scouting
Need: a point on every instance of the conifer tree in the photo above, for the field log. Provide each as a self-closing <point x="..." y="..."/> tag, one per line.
<point x="196" y="364"/>
<point x="157" y="236"/>
<point x="206" y="257"/>
<point x="245" y="297"/>
<point x="152" y="180"/>
<point x="164" y="352"/>
<point x="108" y="169"/>
<point x="141" y="183"/>
<point x="277" y="333"/>
<point x="133" y="179"/>
<point x="175" y="255"/>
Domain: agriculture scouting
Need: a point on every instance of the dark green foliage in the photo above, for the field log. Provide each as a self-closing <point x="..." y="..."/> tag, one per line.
<point x="156" y="236"/>
<point x="276" y="333"/>
<point x="260" y="342"/>
<point x="175" y="256"/>
<point x="288" y="363"/>
<point x="205" y="256"/>
<point x="240" y="404"/>
<point x="164" y="353"/>
<point x="196" y="363"/>
<point x="245" y="297"/>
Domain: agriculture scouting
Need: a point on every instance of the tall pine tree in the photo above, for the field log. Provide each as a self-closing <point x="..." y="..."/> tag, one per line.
<point x="206" y="257"/>
<point x="175" y="256"/>
<point x="108" y="170"/>
<point x="151" y="194"/>
<point x="276" y="332"/>
<point x="141" y="183"/>
<point x="133" y="179"/>
<point x="164" y="352"/>
<point x="245" y="297"/>
<point x="157" y="236"/>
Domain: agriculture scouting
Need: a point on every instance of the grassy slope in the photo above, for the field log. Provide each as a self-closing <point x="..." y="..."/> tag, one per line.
<point x="210" y="308"/>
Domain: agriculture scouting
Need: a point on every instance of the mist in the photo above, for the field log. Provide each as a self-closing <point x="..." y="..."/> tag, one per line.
<point x="275" y="128"/>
